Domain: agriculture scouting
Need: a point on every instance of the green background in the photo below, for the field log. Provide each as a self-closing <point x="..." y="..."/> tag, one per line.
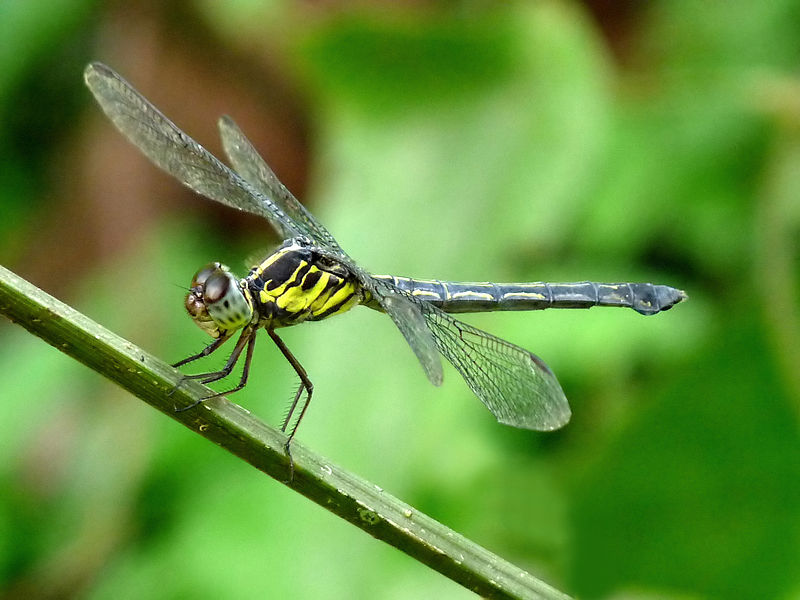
<point x="509" y="141"/>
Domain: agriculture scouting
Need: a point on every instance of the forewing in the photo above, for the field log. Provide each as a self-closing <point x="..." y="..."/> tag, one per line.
<point x="177" y="153"/>
<point x="514" y="384"/>
<point x="254" y="169"/>
<point x="407" y="315"/>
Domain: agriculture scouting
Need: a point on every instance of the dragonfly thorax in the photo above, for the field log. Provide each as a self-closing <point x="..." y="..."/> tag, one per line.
<point x="299" y="283"/>
<point x="218" y="302"/>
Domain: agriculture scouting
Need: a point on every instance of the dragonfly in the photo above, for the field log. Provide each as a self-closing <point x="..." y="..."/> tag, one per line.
<point x="310" y="278"/>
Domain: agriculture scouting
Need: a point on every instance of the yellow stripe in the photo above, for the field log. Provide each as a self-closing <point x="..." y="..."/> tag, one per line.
<point x="296" y="299"/>
<point x="293" y="300"/>
<point x="268" y="261"/>
<point x="278" y="291"/>
<point x="339" y="297"/>
<point x="353" y="301"/>
<point x="320" y="301"/>
<point x="426" y="294"/>
<point x="524" y="296"/>
<point x="469" y="294"/>
<point x="283" y="297"/>
<point x="320" y="286"/>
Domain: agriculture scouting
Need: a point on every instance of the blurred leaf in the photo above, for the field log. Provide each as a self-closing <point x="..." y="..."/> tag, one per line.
<point x="386" y="65"/>
<point x="698" y="492"/>
<point x="29" y="29"/>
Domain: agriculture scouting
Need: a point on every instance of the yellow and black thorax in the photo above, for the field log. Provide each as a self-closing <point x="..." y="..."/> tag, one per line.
<point x="297" y="283"/>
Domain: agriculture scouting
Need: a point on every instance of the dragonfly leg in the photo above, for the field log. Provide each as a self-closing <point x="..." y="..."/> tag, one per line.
<point x="210" y="348"/>
<point x="204" y="352"/>
<point x="248" y="358"/>
<point x="246" y="339"/>
<point x="305" y="384"/>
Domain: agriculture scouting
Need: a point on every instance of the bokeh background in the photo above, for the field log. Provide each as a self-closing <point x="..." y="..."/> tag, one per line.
<point x="508" y="141"/>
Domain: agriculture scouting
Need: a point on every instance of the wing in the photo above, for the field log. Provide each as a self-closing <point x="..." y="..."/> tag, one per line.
<point x="176" y="153"/>
<point x="516" y="386"/>
<point x="254" y="169"/>
<point x="406" y="314"/>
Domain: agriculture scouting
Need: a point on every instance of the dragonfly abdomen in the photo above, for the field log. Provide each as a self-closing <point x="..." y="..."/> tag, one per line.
<point x="463" y="297"/>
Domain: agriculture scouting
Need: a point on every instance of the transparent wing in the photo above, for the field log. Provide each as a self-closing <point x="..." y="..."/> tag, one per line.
<point x="514" y="384"/>
<point x="249" y="164"/>
<point x="407" y="315"/>
<point x="175" y="152"/>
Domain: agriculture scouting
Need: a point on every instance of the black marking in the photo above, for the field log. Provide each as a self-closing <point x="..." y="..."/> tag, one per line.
<point x="298" y="279"/>
<point x="311" y="280"/>
<point x="336" y="307"/>
<point x="282" y="269"/>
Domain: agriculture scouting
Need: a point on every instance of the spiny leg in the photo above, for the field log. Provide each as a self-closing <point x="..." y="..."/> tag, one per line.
<point x="204" y="378"/>
<point x="246" y="339"/>
<point x="305" y="384"/>
<point x="209" y="349"/>
<point x="204" y="352"/>
<point x="248" y="358"/>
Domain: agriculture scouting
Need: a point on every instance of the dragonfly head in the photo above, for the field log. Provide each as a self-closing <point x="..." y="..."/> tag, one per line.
<point x="217" y="302"/>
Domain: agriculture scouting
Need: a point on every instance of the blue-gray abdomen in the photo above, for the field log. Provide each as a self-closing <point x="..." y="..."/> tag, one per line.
<point x="462" y="297"/>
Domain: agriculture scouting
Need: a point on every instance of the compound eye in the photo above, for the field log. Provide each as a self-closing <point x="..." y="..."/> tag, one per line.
<point x="203" y="274"/>
<point x="216" y="287"/>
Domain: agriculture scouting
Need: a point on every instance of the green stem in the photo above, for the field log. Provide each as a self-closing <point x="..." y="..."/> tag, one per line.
<point x="361" y="503"/>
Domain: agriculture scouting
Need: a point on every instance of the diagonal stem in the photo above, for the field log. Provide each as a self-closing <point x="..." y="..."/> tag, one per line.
<point x="361" y="503"/>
